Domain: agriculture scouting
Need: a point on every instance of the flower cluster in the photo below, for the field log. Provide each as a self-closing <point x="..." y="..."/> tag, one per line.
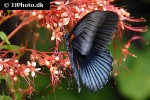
<point x="65" y="14"/>
<point x="58" y="64"/>
<point x="61" y="18"/>
<point x="12" y="67"/>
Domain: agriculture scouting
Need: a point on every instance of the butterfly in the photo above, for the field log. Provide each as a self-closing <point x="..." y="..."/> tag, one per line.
<point x="87" y="47"/>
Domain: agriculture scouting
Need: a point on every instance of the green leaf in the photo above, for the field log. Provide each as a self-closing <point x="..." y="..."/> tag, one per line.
<point x="3" y="36"/>
<point x="18" y="96"/>
<point x="3" y="97"/>
<point x="2" y="77"/>
<point x="10" y="47"/>
<point x="8" y="12"/>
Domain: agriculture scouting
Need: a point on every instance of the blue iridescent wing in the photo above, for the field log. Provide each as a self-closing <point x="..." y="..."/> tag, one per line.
<point x="92" y="35"/>
<point x="96" y="29"/>
<point x="105" y="32"/>
<point x="95" y="68"/>
<point x="85" y="31"/>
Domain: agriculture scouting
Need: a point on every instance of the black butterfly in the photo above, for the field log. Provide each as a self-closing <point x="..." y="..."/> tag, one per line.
<point x="87" y="46"/>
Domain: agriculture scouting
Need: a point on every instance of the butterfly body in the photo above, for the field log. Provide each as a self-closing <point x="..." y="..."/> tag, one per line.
<point x="88" y="51"/>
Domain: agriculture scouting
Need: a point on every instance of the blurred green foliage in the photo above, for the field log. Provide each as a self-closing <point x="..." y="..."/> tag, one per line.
<point x="135" y="83"/>
<point x="5" y="98"/>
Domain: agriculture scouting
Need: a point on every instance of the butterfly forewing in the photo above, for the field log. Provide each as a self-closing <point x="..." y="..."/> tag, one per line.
<point x="104" y="33"/>
<point x="85" y="31"/>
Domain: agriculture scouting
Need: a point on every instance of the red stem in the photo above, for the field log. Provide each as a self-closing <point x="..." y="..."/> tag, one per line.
<point x="30" y="19"/>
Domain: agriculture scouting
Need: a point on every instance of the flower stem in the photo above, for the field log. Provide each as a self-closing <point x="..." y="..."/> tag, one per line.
<point x="28" y="20"/>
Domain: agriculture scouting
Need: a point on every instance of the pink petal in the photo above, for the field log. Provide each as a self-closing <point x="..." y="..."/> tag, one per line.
<point x="37" y="69"/>
<point x="65" y="14"/>
<point x="27" y="70"/>
<point x="47" y="63"/>
<point x="67" y="2"/>
<point x="59" y="7"/>
<point x="33" y="64"/>
<point x="58" y="2"/>
<point x="53" y="38"/>
<point x="32" y="73"/>
<point x="28" y="63"/>
<point x="1" y="67"/>
<point x="64" y="21"/>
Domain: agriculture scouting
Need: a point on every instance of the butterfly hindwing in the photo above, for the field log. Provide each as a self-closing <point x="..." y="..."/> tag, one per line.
<point x="95" y="69"/>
